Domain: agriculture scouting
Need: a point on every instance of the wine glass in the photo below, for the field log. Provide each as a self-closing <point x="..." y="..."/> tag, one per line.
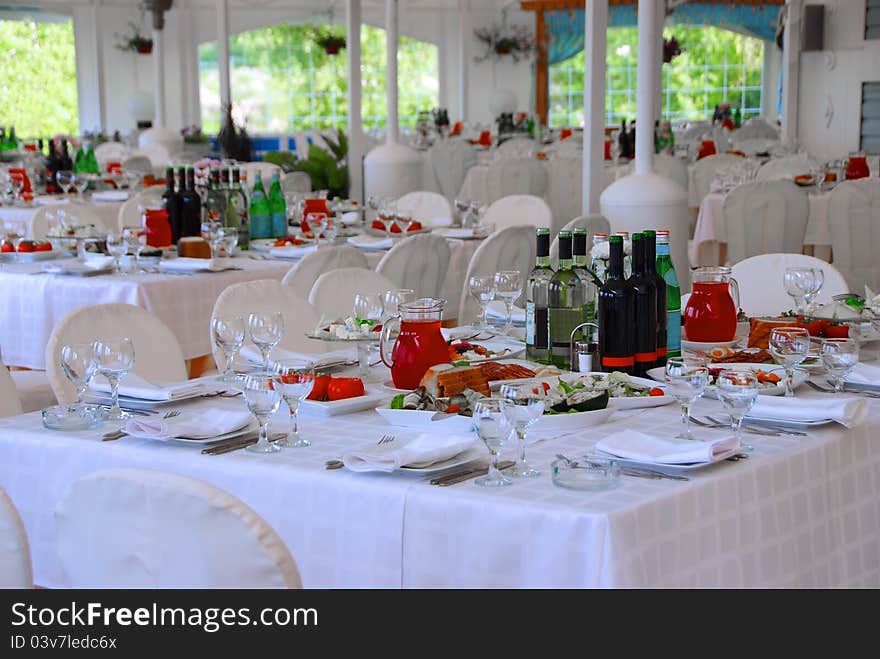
<point x="225" y="241"/>
<point x="81" y="181"/>
<point x="208" y="229"/>
<point x="393" y="298"/>
<point x="266" y="330"/>
<point x="685" y="381"/>
<point x="789" y="346"/>
<point x="508" y="286"/>
<point x="16" y="181"/>
<point x="738" y="391"/>
<point x="117" y="247"/>
<point x="78" y="364"/>
<point x="521" y="407"/>
<point x="839" y="356"/>
<point x="815" y="284"/>
<point x="113" y="360"/>
<point x="294" y="380"/>
<point x="494" y="429"/>
<point x="483" y="290"/>
<point x="263" y="400"/>
<point x="386" y="215"/>
<point x="136" y="238"/>
<point x="403" y="220"/>
<point x="228" y="336"/>
<point x="798" y="284"/>
<point x="65" y="179"/>
<point x="367" y="307"/>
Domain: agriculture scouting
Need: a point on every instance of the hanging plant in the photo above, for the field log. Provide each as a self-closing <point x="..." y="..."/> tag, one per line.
<point x="671" y="49"/>
<point x="501" y="40"/>
<point x="135" y="41"/>
<point x="331" y="41"/>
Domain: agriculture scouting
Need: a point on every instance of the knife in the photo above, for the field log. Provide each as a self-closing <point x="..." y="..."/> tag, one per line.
<point x="467" y="474"/>
<point x="236" y="443"/>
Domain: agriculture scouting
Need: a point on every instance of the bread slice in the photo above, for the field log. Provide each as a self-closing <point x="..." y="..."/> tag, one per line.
<point x="458" y="379"/>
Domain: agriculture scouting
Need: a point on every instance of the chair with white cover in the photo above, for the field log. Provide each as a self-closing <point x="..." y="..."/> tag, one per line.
<point x="266" y="170"/>
<point x="15" y="553"/>
<point x="760" y="279"/>
<point x="418" y="262"/>
<point x="703" y="172"/>
<point x="854" y="216"/>
<point x="765" y="217"/>
<point x="151" y="197"/>
<point x="156" y="153"/>
<point x="302" y="276"/>
<point x="45" y="217"/>
<point x="515" y="210"/>
<point x="296" y="183"/>
<point x="264" y="296"/>
<point x="593" y="223"/>
<point x="432" y="209"/>
<point x="162" y="524"/>
<point x="510" y="175"/>
<point x="34" y="390"/>
<point x="512" y="248"/>
<point x="333" y="293"/>
<point x="756" y="128"/>
<point x="785" y="168"/>
<point x="672" y="168"/>
<point x="157" y="353"/>
<point x="138" y="162"/>
<point x="129" y="214"/>
<point x="450" y="161"/>
<point x="108" y="152"/>
<point x="10" y="403"/>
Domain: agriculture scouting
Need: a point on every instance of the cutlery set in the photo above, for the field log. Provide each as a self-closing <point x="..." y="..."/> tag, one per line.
<point x="119" y="434"/>
<point x="638" y="472"/>
<point x="847" y="388"/>
<point x="238" y="443"/>
<point x="765" y="430"/>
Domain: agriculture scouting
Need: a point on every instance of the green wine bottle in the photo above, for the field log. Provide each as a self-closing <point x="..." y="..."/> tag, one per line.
<point x="673" y="295"/>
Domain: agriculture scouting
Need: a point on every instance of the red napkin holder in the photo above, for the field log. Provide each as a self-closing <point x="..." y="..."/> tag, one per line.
<point x="27" y="181"/>
<point x="485" y="138"/>
<point x="607" y="149"/>
<point x="456" y="129"/>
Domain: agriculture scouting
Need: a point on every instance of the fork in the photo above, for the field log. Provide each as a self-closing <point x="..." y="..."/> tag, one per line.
<point x="118" y="434"/>
<point x="715" y="423"/>
<point x="386" y="439"/>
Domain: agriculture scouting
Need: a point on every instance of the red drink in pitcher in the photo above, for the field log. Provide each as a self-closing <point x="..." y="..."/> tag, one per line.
<point x="710" y="314"/>
<point x="420" y="344"/>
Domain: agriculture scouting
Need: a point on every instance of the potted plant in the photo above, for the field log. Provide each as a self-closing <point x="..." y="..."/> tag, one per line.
<point x="328" y="168"/>
<point x="671" y="49"/>
<point x="135" y="41"/>
<point x="501" y="40"/>
<point x="234" y="141"/>
<point x="329" y="40"/>
<point x="193" y="135"/>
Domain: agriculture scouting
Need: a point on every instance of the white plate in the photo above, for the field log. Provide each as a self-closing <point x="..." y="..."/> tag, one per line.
<point x="78" y="269"/>
<point x="251" y="426"/>
<point x="669" y="468"/>
<point x="368" y="243"/>
<point x="464" y="457"/>
<point x="459" y="233"/>
<point x="371" y="398"/>
<point x="800" y="376"/>
<point x="380" y="233"/>
<point x="153" y="405"/>
<point x="703" y="347"/>
<point x="31" y="257"/>
<point x="496" y="344"/>
<point x="110" y="196"/>
<point x="291" y="251"/>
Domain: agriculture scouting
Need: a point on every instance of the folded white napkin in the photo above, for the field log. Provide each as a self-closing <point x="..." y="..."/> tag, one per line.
<point x="189" y="425"/>
<point x="436" y="222"/>
<point x="49" y="200"/>
<point x="457" y="232"/>
<point x="351" y="218"/>
<point x="134" y="386"/>
<point x="73" y="267"/>
<point x="187" y="264"/>
<point x="252" y="354"/>
<point x="110" y="195"/>
<point x="635" y="445"/>
<point x="497" y="309"/>
<point x="369" y="242"/>
<point x="421" y="451"/>
<point x="846" y="411"/>
<point x="864" y="374"/>
<point x="292" y="251"/>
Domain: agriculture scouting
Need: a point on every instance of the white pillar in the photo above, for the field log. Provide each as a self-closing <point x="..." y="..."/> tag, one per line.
<point x="595" y="26"/>
<point x="159" y="78"/>
<point x="355" y="124"/>
<point x="791" y="51"/>
<point x="393" y="130"/>
<point x="658" y="63"/>
<point x="463" y="58"/>
<point x="99" y="66"/>
<point x="647" y="74"/>
<point x="223" y="53"/>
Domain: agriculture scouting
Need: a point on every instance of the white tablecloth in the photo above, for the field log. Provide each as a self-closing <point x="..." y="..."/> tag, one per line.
<point x="710" y="231"/>
<point x="800" y="512"/>
<point x="17" y="218"/>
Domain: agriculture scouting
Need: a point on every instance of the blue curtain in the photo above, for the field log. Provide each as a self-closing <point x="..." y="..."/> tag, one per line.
<point x="565" y="28"/>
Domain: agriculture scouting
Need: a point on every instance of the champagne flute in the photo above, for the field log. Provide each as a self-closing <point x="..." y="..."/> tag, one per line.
<point x="113" y="360"/>
<point x="228" y="336"/>
<point x="78" y="364"/>
<point x="263" y="400"/>
<point x="266" y="330"/>
<point x="839" y="356"/>
<point x="483" y="290"/>
<point x="494" y="430"/>
<point x="738" y="391"/>
<point x="685" y="381"/>
<point x="508" y="286"/>
<point x="65" y="180"/>
<point x="294" y="380"/>
<point x="521" y="408"/>
<point x="789" y="346"/>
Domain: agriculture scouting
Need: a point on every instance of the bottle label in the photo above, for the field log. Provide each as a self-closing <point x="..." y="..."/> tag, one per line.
<point x="673" y="333"/>
<point x="672" y="285"/>
<point x="646" y="357"/>
<point x="661" y="352"/>
<point x="619" y="362"/>
<point x="530" y="323"/>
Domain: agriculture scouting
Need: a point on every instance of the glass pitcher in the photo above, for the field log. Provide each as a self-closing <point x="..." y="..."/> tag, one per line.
<point x="710" y="314"/>
<point x="857" y="167"/>
<point x="419" y="344"/>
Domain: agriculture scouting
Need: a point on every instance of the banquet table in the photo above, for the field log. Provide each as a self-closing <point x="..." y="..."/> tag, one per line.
<point x="799" y="512"/>
<point x="710" y="233"/>
<point x="18" y="217"/>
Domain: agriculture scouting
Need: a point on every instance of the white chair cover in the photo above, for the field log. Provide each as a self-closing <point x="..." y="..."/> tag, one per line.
<point x="755" y="128"/>
<point x="139" y="528"/>
<point x="672" y="168"/>
<point x="450" y="160"/>
<point x="430" y="208"/>
<point x="760" y="279"/>
<point x="785" y="168"/>
<point x="702" y="172"/>
<point x="45" y="217"/>
<point x="156" y="153"/>
<point x="157" y="354"/>
<point x="302" y="276"/>
<point x="755" y="145"/>
<point x="519" y="209"/>
<point x="594" y="223"/>
<point x="565" y="188"/>
<point x="10" y="403"/>
<point x="512" y="248"/>
<point x="138" y="163"/>
<point x="34" y="390"/>
<point x="854" y="215"/>
<point x="264" y="295"/>
<point x="334" y="291"/>
<point x="765" y="217"/>
<point x="515" y="147"/>
<point x="128" y="215"/>
<point x="266" y="170"/>
<point x="418" y="262"/>
<point x="510" y="175"/>
<point x="151" y="196"/>
<point x="15" y="553"/>
<point x="107" y="152"/>
<point x="296" y="183"/>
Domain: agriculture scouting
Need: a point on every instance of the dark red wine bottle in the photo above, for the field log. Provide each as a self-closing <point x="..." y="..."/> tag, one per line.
<point x="660" y="283"/>
<point x="645" y="292"/>
<point x="172" y="205"/>
<point x="616" y="315"/>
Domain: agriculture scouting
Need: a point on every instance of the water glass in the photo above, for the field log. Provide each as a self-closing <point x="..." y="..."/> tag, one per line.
<point x="789" y="346"/>
<point x="228" y="336"/>
<point x="113" y="360"/>
<point x="78" y="364"/>
<point x="266" y="330"/>
<point x="508" y="286"/>
<point x="738" y="391"/>
<point x="521" y="408"/>
<point x="294" y="380"/>
<point x="65" y="180"/>
<point x="117" y="247"/>
<point x="367" y="306"/>
<point x="483" y="290"/>
<point x="81" y="181"/>
<point x="263" y="400"/>
<point x="494" y="430"/>
<point x="685" y="381"/>
<point x="798" y="282"/>
<point x="224" y="242"/>
<point x="839" y="356"/>
<point x="816" y="281"/>
<point x="392" y="299"/>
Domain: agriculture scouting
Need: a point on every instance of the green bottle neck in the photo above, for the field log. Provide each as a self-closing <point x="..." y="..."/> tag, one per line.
<point x="542" y="262"/>
<point x="580" y="260"/>
<point x="565" y="264"/>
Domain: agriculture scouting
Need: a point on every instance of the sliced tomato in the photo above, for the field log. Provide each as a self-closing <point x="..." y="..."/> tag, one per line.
<point x="7" y="247"/>
<point x="319" y="390"/>
<point x="45" y="246"/>
<point x="656" y="391"/>
<point x="281" y="242"/>
<point x="340" y="388"/>
<point x="453" y="409"/>
<point x="415" y="226"/>
<point x="546" y="386"/>
<point x="26" y="246"/>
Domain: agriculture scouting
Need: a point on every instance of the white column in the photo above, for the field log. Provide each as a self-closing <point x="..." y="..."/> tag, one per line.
<point x="393" y="130"/>
<point x="99" y="66"/>
<point x="183" y="53"/>
<point x="159" y="78"/>
<point x="658" y="63"/>
<point x="355" y="124"/>
<point x="463" y="58"/>
<point x="647" y="73"/>
<point x="223" y="52"/>
<point x="595" y="26"/>
<point x="791" y="51"/>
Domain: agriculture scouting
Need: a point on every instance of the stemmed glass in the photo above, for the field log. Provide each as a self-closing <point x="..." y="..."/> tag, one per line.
<point x="294" y="380"/>
<point x="228" y="336"/>
<point x="78" y="364"/>
<point x="798" y="284"/>
<point x="521" y="408"/>
<point x="81" y="181"/>
<point x="494" y="429"/>
<point x="263" y="400"/>
<point x="738" y="391"/>
<point x="386" y="215"/>
<point x="367" y="307"/>
<point x="839" y="356"/>
<point x="508" y="286"/>
<point x="266" y="330"/>
<point x="224" y="242"/>
<point x="16" y="181"/>
<point x="117" y="247"/>
<point x="789" y="346"/>
<point x="685" y="381"/>
<point x="403" y="220"/>
<point x="815" y="281"/>
<point x="137" y="238"/>
<point x="113" y="360"/>
<point x="65" y="180"/>
<point x="483" y="290"/>
<point x="393" y="298"/>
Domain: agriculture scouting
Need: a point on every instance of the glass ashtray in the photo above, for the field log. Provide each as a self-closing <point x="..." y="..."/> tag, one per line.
<point x="590" y="474"/>
<point x="72" y="417"/>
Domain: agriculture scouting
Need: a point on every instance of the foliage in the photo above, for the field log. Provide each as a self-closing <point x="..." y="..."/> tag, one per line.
<point x="286" y="160"/>
<point x="133" y="41"/>
<point x="193" y="135"/>
<point x="235" y="143"/>
<point x="328" y="169"/>
<point x="328" y="39"/>
<point x="499" y="39"/>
